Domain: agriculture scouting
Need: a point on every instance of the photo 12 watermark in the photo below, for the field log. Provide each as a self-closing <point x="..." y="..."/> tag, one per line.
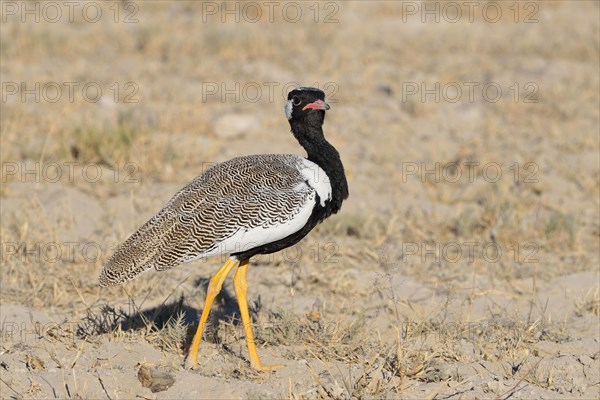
<point x="468" y="252"/>
<point x="53" y="12"/>
<point x="253" y="12"/>
<point x="469" y="172"/>
<point x="253" y="92"/>
<point x="69" y="252"/>
<point x="474" y="332"/>
<point x="470" y="11"/>
<point x="71" y="92"/>
<point x="470" y="92"/>
<point x="69" y="172"/>
<point x="295" y="330"/>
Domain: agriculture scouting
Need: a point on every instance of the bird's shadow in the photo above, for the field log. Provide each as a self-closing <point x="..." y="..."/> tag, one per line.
<point x="107" y="319"/>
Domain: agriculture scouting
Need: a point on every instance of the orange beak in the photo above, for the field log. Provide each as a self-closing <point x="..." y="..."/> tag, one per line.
<point x="317" y="105"/>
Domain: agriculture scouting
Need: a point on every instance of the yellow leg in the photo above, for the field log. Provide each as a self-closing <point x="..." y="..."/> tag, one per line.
<point x="241" y="288"/>
<point x="214" y="287"/>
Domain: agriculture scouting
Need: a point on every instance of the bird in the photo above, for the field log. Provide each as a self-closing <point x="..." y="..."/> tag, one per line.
<point x="247" y="206"/>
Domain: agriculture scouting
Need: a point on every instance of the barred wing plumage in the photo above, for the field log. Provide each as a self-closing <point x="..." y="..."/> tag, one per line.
<point x="233" y="205"/>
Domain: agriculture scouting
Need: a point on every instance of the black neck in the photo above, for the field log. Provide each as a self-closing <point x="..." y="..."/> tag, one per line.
<point x="321" y="152"/>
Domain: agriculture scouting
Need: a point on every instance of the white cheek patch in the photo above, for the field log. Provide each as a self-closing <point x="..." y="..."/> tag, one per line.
<point x="288" y="110"/>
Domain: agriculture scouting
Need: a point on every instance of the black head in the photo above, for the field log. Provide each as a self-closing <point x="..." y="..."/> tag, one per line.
<point x="306" y="105"/>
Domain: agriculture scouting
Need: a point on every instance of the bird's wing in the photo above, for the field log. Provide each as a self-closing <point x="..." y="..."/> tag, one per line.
<point x="237" y="205"/>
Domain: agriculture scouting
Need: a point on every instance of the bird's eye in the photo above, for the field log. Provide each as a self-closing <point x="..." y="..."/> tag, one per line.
<point x="296" y="100"/>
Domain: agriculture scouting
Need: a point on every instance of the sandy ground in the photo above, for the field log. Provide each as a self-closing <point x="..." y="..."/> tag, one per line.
<point x="465" y="263"/>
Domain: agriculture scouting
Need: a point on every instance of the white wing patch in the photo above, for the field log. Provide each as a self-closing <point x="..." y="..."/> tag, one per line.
<point x="317" y="179"/>
<point x="246" y="239"/>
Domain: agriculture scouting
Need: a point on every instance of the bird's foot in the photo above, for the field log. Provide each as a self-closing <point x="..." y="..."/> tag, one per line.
<point x="265" y="368"/>
<point x="191" y="364"/>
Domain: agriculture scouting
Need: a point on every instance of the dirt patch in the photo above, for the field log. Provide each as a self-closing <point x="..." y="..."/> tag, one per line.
<point x="465" y="263"/>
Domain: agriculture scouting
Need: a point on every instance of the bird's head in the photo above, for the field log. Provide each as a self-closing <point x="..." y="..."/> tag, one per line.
<point x="306" y="105"/>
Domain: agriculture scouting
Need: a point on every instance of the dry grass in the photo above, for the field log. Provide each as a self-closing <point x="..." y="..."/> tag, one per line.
<point x="589" y="302"/>
<point x="376" y="302"/>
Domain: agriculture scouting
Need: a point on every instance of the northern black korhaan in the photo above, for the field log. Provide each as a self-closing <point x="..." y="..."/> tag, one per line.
<point x="250" y="205"/>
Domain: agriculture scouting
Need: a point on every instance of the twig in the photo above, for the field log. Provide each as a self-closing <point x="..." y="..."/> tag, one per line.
<point x="20" y="396"/>
<point x="510" y="391"/>
<point x="103" y="387"/>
